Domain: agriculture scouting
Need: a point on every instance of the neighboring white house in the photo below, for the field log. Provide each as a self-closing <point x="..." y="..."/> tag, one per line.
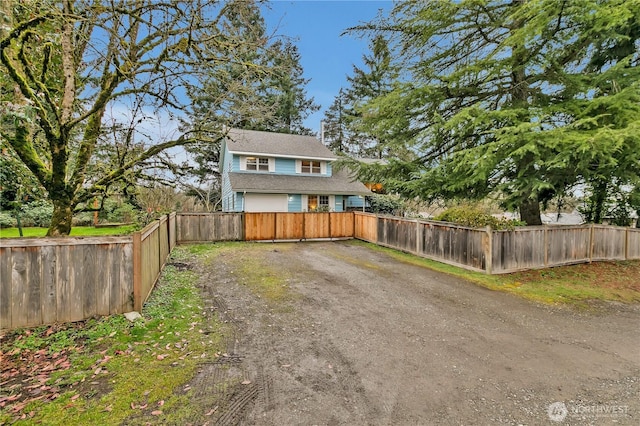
<point x="277" y="172"/>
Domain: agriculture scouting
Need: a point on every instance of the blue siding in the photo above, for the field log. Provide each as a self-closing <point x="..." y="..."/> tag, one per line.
<point x="295" y="203"/>
<point x="234" y="201"/>
<point x="285" y="166"/>
<point x="227" y="194"/>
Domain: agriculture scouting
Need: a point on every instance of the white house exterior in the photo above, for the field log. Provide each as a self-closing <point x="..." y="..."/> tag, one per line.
<point x="276" y="172"/>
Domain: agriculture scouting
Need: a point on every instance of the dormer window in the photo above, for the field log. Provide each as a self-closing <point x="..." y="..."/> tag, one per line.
<point x="310" y="167"/>
<point x="259" y="164"/>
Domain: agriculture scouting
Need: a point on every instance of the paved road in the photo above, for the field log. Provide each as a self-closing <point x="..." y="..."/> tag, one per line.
<point x="365" y="339"/>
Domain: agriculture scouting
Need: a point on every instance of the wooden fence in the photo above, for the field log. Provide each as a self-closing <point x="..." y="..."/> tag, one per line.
<point x="202" y="227"/>
<point x="297" y="226"/>
<point x="498" y="252"/>
<point x="456" y="245"/>
<point x="46" y="280"/>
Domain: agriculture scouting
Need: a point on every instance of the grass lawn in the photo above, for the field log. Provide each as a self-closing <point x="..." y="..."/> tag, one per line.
<point x="578" y="285"/>
<point x="76" y="231"/>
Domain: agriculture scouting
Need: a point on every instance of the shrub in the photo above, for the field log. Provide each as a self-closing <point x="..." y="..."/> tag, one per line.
<point x="386" y="204"/>
<point x="6" y="220"/>
<point x="37" y="213"/>
<point x="476" y="218"/>
<point x="83" y="219"/>
<point x="116" y="211"/>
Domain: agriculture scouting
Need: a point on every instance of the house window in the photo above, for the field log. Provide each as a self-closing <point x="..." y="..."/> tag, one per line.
<point x="311" y="167"/>
<point x="258" y="163"/>
<point x="318" y="203"/>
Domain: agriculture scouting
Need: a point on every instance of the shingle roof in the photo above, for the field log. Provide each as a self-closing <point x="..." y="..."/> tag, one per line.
<point x="280" y="144"/>
<point x="340" y="184"/>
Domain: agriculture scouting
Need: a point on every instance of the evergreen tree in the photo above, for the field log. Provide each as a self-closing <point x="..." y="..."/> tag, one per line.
<point x="345" y="129"/>
<point x="504" y="98"/>
<point x="335" y="131"/>
<point x="286" y="91"/>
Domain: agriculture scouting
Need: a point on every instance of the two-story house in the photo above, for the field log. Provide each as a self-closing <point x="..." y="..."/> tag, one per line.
<point x="276" y="172"/>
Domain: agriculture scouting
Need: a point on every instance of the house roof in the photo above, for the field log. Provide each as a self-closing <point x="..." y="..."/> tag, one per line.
<point x="339" y="184"/>
<point x="252" y="142"/>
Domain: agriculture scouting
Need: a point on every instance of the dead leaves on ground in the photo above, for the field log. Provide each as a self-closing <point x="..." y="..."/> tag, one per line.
<point x="24" y="377"/>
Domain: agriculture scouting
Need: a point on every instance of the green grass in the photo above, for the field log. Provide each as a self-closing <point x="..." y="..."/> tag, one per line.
<point x="76" y="231"/>
<point x="254" y="271"/>
<point x="147" y="362"/>
<point x="576" y="285"/>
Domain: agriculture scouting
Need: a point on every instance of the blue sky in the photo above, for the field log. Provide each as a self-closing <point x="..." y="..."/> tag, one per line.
<point x="327" y="58"/>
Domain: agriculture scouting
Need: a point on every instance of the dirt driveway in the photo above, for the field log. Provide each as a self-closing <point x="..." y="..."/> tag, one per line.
<point x="364" y="339"/>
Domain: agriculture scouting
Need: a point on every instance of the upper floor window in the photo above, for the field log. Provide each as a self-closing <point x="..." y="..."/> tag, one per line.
<point x="258" y="163"/>
<point x="310" y="167"/>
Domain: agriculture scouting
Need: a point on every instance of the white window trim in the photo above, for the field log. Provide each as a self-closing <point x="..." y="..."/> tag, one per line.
<point x="271" y="162"/>
<point x="323" y="167"/>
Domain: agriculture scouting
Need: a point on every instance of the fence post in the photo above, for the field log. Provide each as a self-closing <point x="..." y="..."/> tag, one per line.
<point x="488" y="256"/>
<point x="137" y="271"/>
<point x="330" y="237"/>
<point x="275" y="226"/>
<point x="591" y="242"/>
<point x="160" y="262"/>
<point x="546" y="247"/>
<point x="169" y="232"/>
<point x="627" y="236"/>
<point x="418" y="242"/>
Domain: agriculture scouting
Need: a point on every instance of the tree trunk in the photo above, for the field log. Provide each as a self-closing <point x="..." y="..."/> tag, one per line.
<point x="61" y="219"/>
<point x="530" y="212"/>
<point x="599" y="199"/>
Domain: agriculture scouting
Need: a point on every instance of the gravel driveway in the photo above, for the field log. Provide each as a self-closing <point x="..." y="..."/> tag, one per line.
<point x="365" y="339"/>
